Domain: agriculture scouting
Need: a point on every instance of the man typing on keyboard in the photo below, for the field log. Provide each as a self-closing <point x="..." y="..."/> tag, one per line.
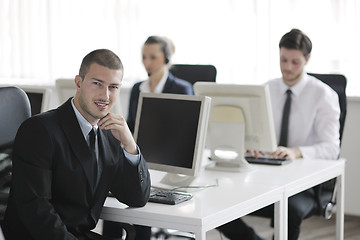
<point x="306" y="115"/>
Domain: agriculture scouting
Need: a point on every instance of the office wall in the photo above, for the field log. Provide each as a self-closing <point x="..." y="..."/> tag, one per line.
<point x="350" y="150"/>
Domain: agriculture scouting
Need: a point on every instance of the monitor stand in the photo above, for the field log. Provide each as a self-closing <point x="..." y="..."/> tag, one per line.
<point x="179" y="182"/>
<point x="176" y="180"/>
<point x="221" y="162"/>
<point x="227" y="151"/>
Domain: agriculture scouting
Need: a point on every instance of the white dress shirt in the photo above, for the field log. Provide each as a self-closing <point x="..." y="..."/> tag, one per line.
<point x="145" y="86"/>
<point x="314" y="116"/>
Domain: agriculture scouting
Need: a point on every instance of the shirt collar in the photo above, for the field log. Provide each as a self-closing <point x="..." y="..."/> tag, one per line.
<point x="145" y="86"/>
<point x="297" y="88"/>
<point x="85" y="126"/>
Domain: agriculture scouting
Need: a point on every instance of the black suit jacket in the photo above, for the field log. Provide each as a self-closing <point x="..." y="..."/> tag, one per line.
<point x="53" y="194"/>
<point x="173" y="85"/>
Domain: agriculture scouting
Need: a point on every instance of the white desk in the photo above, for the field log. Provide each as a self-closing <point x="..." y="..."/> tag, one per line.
<point x="303" y="174"/>
<point x="208" y="209"/>
<point x="237" y="195"/>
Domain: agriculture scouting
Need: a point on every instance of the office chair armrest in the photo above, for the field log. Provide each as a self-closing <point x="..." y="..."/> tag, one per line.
<point x="325" y="198"/>
<point x="129" y="229"/>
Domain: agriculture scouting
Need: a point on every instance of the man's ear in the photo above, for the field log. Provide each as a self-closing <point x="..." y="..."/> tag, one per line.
<point x="307" y="58"/>
<point x="78" y="81"/>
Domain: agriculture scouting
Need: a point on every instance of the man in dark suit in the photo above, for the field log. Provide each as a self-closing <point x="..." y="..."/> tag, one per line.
<point x="61" y="175"/>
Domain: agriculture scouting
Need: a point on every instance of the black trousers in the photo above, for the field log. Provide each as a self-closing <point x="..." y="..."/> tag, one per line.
<point x="114" y="230"/>
<point x="300" y="206"/>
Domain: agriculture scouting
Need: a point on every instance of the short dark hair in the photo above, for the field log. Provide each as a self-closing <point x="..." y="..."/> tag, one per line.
<point x="296" y="39"/>
<point x="103" y="57"/>
<point x="167" y="46"/>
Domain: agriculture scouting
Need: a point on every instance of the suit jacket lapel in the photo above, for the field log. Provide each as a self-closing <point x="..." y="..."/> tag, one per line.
<point x="168" y="84"/>
<point x="76" y="139"/>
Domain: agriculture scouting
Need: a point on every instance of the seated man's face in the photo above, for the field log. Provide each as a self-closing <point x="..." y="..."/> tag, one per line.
<point x="97" y="92"/>
<point x="292" y="63"/>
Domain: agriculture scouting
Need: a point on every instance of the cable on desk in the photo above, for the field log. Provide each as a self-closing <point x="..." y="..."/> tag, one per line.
<point x="197" y="187"/>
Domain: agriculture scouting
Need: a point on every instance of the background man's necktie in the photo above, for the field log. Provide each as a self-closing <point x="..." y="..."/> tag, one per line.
<point x="285" y="120"/>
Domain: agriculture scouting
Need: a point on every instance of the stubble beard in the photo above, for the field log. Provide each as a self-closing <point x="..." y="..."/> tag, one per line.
<point x="87" y="109"/>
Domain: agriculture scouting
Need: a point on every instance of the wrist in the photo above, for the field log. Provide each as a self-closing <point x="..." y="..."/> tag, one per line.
<point x="132" y="149"/>
<point x="297" y="152"/>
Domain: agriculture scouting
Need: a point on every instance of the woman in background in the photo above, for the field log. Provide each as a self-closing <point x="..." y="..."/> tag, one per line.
<point x="156" y="54"/>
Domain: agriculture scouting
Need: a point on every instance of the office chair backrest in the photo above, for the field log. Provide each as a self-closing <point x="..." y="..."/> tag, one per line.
<point x="14" y="108"/>
<point x="338" y="83"/>
<point x="325" y="193"/>
<point x="194" y="73"/>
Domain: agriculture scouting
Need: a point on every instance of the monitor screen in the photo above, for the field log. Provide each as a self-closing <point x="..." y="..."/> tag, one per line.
<point x="35" y="102"/>
<point x="240" y="118"/>
<point x="38" y="97"/>
<point x="170" y="130"/>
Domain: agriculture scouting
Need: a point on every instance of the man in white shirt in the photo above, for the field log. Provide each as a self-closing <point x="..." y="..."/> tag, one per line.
<point x="312" y="129"/>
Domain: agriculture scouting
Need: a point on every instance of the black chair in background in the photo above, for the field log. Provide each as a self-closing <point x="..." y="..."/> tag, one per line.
<point x="14" y="108"/>
<point x="194" y="73"/>
<point x="326" y="192"/>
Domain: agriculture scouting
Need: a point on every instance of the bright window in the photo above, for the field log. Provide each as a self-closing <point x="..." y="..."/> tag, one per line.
<point x="42" y="40"/>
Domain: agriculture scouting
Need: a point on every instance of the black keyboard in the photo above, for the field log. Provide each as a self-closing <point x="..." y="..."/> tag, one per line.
<point x="168" y="196"/>
<point x="267" y="160"/>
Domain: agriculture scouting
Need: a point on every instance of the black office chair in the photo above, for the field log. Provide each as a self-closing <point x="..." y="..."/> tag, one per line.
<point x="326" y="192"/>
<point x="194" y="73"/>
<point x="14" y="108"/>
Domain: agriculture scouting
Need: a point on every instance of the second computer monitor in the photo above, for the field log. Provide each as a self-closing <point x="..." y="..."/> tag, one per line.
<point x="240" y="118"/>
<point x="170" y="130"/>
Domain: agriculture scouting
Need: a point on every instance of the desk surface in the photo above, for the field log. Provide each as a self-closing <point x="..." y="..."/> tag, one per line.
<point x="237" y="194"/>
<point x="209" y="207"/>
<point x="299" y="175"/>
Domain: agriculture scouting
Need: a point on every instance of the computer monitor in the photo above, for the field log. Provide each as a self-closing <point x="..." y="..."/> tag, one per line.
<point x="39" y="98"/>
<point x="240" y="118"/>
<point x="170" y="130"/>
